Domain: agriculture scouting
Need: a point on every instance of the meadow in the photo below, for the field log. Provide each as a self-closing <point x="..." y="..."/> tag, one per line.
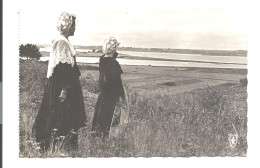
<point x="174" y="112"/>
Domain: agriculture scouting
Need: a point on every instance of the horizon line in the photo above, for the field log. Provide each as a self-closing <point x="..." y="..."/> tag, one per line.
<point x="154" y="47"/>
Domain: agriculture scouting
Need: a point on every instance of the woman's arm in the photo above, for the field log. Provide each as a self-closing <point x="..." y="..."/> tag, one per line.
<point x="109" y="74"/>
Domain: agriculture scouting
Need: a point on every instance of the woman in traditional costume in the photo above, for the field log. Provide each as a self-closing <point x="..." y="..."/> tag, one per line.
<point x="111" y="89"/>
<point x="62" y="110"/>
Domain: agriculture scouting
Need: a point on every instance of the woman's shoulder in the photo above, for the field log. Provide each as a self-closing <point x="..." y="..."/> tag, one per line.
<point x="60" y="44"/>
<point x="106" y="62"/>
<point x="106" y="59"/>
<point x="102" y="56"/>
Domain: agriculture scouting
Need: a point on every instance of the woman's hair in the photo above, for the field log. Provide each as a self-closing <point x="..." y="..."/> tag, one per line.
<point x="65" y="22"/>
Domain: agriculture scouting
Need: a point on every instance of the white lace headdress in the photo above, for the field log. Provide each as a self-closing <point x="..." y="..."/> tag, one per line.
<point x="110" y="45"/>
<point x="65" y="22"/>
<point x="60" y="53"/>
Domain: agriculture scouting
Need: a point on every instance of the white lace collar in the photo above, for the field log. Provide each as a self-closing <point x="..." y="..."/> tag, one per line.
<point x="63" y="54"/>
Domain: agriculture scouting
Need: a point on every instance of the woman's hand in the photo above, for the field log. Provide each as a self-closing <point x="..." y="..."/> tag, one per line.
<point x="63" y="95"/>
<point x="121" y="99"/>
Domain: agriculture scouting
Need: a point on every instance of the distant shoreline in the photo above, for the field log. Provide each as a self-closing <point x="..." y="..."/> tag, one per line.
<point x="238" y="52"/>
<point x="129" y="68"/>
<point x="125" y="56"/>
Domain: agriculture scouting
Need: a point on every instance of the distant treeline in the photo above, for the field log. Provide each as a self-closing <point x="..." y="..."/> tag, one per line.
<point x="180" y="51"/>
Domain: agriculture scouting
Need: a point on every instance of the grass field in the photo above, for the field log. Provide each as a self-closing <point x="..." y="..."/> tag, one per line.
<point x="173" y="112"/>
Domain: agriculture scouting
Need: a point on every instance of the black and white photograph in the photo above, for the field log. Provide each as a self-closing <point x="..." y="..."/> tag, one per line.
<point x="114" y="79"/>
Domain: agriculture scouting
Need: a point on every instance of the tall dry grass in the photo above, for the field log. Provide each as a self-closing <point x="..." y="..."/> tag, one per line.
<point x="190" y="124"/>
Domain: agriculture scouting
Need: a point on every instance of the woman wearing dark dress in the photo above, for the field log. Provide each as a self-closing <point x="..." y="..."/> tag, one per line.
<point x="111" y="89"/>
<point x="62" y="110"/>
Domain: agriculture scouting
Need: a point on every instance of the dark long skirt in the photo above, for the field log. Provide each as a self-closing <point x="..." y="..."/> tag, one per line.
<point x="56" y="119"/>
<point x="103" y="115"/>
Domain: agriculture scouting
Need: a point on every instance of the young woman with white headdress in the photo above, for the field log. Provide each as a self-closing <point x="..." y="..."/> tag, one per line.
<point x="62" y="110"/>
<point x="111" y="89"/>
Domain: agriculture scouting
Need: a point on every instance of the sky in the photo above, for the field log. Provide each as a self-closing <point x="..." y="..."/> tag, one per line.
<point x="145" y="25"/>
